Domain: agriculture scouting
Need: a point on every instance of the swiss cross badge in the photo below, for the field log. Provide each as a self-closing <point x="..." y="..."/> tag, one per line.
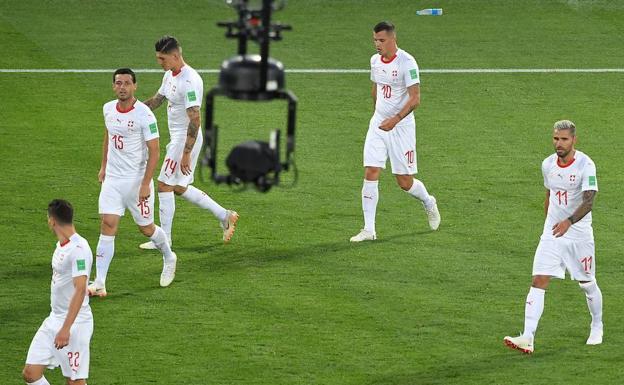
<point x="130" y="123"/>
<point x="572" y="178"/>
<point x="395" y="73"/>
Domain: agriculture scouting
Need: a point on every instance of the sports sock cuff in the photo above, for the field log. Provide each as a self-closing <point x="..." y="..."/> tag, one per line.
<point x="371" y="182"/>
<point x="107" y="238"/>
<point x="537" y="291"/>
<point x="165" y="194"/>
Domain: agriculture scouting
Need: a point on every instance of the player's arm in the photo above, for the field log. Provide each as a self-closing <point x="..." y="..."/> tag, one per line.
<point x="412" y="103"/>
<point x="191" y="136"/>
<point x="102" y="173"/>
<point x="374" y="95"/>
<point x="155" y="101"/>
<point x="586" y="206"/>
<point x="80" y="290"/>
<point x="153" y="154"/>
<point x="546" y="202"/>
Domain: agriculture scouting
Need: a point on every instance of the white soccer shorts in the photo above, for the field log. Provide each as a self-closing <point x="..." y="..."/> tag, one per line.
<point x="73" y="358"/>
<point x="398" y="144"/>
<point x="170" y="173"/>
<point x="118" y="194"/>
<point x="554" y="256"/>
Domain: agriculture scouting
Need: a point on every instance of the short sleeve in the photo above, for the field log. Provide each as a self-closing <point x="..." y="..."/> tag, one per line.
<point x="193" y="92"/>
<point x="411" y="74"/>
<point x="161" y="90"/>
<point x="150" y="127"/>
<point x="589" y="177"/>
<point x="544" y="174"/>
<point x="81" y="260"/>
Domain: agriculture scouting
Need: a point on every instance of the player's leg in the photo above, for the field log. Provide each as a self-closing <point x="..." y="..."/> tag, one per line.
<point x="40" y="355"/>
<point x="375" y="157"/>
<point x="75" y="358"/>
<point x="33" y="374"/>
<point x="547" y="263"/>
<point x="582" y="266"/>
<point x="143" y="214"/>
<point x="402" y="153"/>
<point x="104" y="253"/>
<point x="227" y="218"/>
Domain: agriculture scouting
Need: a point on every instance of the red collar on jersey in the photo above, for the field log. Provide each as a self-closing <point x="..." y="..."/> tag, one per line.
<point x="176" y="73"/>
<point x="565" y="165"/>
<point x="125" y="111"/>
<point x="64" y="243"/>
<point x="389" y="61"/>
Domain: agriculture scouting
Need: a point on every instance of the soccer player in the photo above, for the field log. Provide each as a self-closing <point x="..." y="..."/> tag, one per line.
<point x="392" y="129"/>
<point x="183" y="88"/>
<point x="567" y="241"/>
<point x="63" y="338"/>
<point x="129" y="157"/>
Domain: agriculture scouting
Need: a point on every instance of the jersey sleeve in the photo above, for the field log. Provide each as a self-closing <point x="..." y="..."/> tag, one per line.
<point x="150" y="126"/>
<point x="544" y="174"/>
<point x="589" y="177"/>
<point x="81" y="259"/>
<point x="372" y="69"/>
<point x="193" y="92"/>
<point x="411" y="75"/>
<point x="161" y="90"/>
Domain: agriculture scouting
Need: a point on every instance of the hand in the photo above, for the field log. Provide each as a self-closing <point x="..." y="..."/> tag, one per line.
<point x="561" y="228"/>
<point x="388" y="124"/>
<point x="62" y="338"/>
<point x="185" y="163"/>
<point x="144" y="192"/>
<point x="101" y="175"/>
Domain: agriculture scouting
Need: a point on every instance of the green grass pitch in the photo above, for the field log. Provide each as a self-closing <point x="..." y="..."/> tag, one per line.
<point x="290" y="301"/>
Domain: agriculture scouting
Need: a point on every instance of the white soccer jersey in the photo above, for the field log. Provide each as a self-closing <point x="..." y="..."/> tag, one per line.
<point x="566" y="185"/>
<point x="183" y="90"/>
<point x="127" y="133"/>
<point x="393" y="77"/>
<point x="71" y="259"/>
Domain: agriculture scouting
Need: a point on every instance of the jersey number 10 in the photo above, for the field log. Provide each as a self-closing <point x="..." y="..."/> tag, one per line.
<point x="386" y="90"/>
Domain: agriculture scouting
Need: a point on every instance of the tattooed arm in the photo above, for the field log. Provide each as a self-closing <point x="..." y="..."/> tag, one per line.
<point x="191" y="137"/>
<point x="413" y="102"/>
<point x="586" y="206"/>
<point x="155" y="101"/>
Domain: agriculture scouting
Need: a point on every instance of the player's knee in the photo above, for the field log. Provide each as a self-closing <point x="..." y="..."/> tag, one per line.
<point x="179" y="190"/>
<point x="405" y="183"/>
<point x="148" y="230"/>
<point x="30" y="374"/>
<point x="540" y="281"/>
<point x="163" y="187"/>
<point x="75" y="382"/>
<point x="372" y="173"/>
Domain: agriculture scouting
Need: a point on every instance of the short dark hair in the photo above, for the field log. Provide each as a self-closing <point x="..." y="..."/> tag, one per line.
<point x="62" y="211"/>
<point x="166" y="44"/>
<point x="384" y="26"/>
<point x="125" y="71"/>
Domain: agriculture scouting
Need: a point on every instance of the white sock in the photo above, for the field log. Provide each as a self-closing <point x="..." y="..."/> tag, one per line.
<point x="370" y="197"/>
<point x="103" y="256"/>
<point x="594" y="302"/>
<point x="41" y="381"/>
<point x="202" y="200"/>
<point x="160" y="240"/>
<point x="419" y="191"/>
<point x="166" y="205"/>
<point x="533" y="311"/>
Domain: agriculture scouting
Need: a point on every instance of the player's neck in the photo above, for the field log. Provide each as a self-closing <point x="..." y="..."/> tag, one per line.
<point x="63" y="233"/>
<point x="126" y="105"/>
<point x="178" y="67"/>
<point x="567" y="159"/>
<point x="391" y="54"/>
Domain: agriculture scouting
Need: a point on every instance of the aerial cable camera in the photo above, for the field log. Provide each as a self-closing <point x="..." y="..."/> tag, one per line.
<point x="252" y="78"/>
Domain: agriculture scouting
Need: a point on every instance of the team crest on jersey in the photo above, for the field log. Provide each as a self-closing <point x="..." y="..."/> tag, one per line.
<point x="395" y="73"/>
<point x="572" y="178"/>
<point x="130" y="123"/>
